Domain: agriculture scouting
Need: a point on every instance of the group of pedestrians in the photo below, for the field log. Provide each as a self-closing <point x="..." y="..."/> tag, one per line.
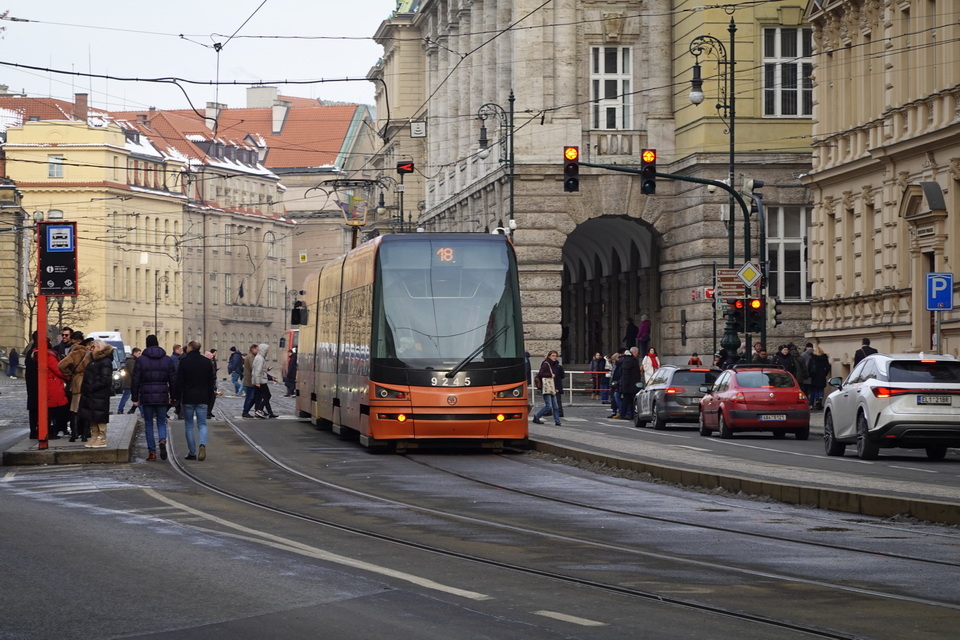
<point x="78" y="372"/>
<point x="811" y="367"/>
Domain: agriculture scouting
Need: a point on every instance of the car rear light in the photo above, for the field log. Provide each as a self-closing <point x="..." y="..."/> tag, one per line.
<point x="674" y="390"/>
<point x="887" y="392"/>
<point x="881" y="392"/>
<point x="802" y="397"/>
<point x="739" y="398"/>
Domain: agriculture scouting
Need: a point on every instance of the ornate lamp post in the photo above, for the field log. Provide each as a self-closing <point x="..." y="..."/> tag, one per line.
<point x="727" y="108"/>
<point x="505" y="119"/>
<point x="157" y="279"/>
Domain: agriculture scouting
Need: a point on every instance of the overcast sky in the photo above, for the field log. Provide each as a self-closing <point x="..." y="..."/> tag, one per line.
<point x="281" y="40"/>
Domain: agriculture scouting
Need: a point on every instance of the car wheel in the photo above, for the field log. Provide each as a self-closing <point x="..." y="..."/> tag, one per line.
<point x="830" y="444"/>
<point x="725" y="432"/>
<point x="658" y="422"/>
<point x="704" y="431"/>
<point x="936" y="452"/>
<point x="802" y="434"/>
<point x="779" y="435"/>
<point x="637" y="422"/>
<point x="866" y="449"/>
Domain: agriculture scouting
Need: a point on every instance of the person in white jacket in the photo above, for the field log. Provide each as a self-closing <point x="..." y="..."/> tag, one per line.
<point x="649" y="364"/>
<point x="260" y="379"/>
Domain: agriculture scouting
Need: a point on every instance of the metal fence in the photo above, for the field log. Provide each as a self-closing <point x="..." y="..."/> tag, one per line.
<point x="576" y="384"/>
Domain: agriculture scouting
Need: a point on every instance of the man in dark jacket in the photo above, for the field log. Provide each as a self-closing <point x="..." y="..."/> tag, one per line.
<point x="196" y="381"/>
<point x="152" y="389"/>
<point x="235" y="369"/>
<point x="629" y="377"/>
<point x="864" y="351"/>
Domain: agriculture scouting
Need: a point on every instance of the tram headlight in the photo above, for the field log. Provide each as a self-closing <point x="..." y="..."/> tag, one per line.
<point x="510" y="394"/>
<point x="383" y="393"/>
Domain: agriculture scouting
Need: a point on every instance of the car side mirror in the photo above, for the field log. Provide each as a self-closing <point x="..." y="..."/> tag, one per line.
<point x="705" y="388"/>
<point x="836" y="382"/>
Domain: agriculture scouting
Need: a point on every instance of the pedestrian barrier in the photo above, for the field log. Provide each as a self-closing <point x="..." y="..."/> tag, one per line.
<point x="576" y="384"/>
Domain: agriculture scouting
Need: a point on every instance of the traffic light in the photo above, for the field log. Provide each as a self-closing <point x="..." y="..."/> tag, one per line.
<point x="773" y="313"/>
<point x="755" y="315"/>
<point x="404" y="167"/>
<point x="571" y="169"/>
<point x="648" y="171"/>
<point x="749" y="186"/>
<point x="734" y="313"/>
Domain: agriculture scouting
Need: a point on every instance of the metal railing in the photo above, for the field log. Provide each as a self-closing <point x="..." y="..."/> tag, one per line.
<point x="575" y="384"/>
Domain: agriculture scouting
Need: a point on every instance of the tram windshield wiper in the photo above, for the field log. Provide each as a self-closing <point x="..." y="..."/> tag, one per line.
<point x="486" y="343"/>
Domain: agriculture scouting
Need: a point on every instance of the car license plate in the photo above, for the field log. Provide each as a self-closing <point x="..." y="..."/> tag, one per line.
<point x="933" y="400"/>
<point x="773" y="416"/>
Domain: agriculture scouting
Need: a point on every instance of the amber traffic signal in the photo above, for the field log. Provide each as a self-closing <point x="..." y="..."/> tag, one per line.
<point x="755" y="315"/>
<point x="648" y="171"/>
<point x="571" y="169"/>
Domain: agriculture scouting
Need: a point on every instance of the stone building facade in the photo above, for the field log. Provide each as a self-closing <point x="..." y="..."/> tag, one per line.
<point x="611" y="78"/>
<point x="885" y="172"/>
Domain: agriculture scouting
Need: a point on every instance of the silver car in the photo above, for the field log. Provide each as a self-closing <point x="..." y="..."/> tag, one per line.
<point x="672" y="394"/>
<point x="909" y="401"/>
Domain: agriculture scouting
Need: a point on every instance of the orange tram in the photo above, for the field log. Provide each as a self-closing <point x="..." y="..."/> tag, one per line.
<point x="414" y="340"/>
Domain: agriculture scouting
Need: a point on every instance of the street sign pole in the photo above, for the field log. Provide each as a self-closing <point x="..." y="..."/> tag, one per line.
<point x="939" y="299"/>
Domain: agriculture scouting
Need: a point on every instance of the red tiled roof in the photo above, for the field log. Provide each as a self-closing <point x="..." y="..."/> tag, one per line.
<point x="311" y="136"/>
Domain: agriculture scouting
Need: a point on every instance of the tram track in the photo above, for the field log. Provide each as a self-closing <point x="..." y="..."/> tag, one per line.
<point x="642" y="594"/>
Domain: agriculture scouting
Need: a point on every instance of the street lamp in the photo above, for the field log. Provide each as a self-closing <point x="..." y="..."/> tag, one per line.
<point x="505" y="118"/>
<point x="384" y="182"/>
<point x="157" y="279"/>
<point x="727" y="108"/>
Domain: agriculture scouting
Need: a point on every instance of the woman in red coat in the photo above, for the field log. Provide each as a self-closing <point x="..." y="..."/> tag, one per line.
<point x="57" y="403"/>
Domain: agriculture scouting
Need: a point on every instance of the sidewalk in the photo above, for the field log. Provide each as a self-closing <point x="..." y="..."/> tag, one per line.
<point x="121" y="434"/>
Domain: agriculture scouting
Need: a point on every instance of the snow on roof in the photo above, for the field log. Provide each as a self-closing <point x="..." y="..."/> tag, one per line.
<point x="10" y="118"/>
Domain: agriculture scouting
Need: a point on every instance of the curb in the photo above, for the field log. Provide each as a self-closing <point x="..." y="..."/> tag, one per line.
<point x="121" y="434"/>
<point x="866" y="504"/>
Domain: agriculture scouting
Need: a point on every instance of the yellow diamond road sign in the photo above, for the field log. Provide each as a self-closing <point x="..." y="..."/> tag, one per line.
<point x="749" y="274"/>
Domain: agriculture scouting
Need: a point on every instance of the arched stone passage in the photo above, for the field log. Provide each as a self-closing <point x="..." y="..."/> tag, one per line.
<point x="610" y="273"/>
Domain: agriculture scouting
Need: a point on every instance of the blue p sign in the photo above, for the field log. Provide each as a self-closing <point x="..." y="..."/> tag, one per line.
<point x="939" y="291"/>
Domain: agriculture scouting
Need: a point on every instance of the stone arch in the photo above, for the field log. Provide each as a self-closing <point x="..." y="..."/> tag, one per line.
<point x="610" y="273"/>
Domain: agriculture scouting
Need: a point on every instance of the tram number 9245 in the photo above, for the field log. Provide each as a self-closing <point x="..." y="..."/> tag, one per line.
<point x="459" y="380"/>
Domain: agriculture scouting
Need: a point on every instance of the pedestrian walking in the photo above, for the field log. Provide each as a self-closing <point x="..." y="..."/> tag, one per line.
<point x="154" y="377"/>
<point x="13" y="362"/>
<point x="196" y="381"/>
<point x="630" y="379"/>
<point x="95" y="392"/>
<point x="250" y="390"/>
<point x="128" y="365"/>
<point x="547" y="377"/>
<point x="235" y="369"/>
<point x="260" y="376"/>
<point x="819" y="374"/>
<point x="864" y="351"/>
<point x="616" y="362"/>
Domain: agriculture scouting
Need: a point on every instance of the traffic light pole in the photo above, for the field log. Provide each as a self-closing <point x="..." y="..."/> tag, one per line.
<point x="730" y="340"/>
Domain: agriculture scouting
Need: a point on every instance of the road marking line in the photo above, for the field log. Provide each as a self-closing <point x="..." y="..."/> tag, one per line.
<point x="319" y="554"/>
<point x="572" y="619"/>
<point x="893" y="466"/>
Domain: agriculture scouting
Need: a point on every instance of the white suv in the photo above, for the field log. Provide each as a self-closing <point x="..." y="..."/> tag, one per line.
<point x="909" y="401"/>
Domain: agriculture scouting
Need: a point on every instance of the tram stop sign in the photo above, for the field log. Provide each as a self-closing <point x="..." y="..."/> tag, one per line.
<point x="57" y="258"/>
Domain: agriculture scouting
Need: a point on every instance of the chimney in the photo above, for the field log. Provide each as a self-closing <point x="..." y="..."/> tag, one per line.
<point x="261" y="97"/>
<point x="280" y="109"/>
<point x="80" y="107"/>
<point x="213" y="113"/>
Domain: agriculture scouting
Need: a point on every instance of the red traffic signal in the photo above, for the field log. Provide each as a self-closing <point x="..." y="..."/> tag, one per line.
<point x="404" y="167"/>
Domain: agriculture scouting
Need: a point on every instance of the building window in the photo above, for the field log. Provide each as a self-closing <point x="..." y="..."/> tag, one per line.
<point x="787" y="67"/>
<point x="227" y="288"/>
<point x="55" y="166"/>
<point x="787" y="252"/>
<point x="610" y="88"/>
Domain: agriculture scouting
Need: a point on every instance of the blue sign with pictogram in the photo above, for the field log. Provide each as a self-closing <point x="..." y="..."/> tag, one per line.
<point x="939" y="291"/>
<point x="57" y="258"/>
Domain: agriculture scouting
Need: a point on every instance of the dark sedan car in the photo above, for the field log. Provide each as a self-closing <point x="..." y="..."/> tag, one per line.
<point x="672" y="394"/>
<point x="755" y="398"/>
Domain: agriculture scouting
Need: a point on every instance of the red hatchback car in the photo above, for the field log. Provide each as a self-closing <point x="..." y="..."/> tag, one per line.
<point x="755" y="398"/>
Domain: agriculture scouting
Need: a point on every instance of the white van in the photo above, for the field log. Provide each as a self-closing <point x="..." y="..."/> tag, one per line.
<point x="115" y="340"/>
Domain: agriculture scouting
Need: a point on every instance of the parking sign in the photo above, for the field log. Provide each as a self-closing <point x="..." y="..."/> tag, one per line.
<point x="939" y="291"/>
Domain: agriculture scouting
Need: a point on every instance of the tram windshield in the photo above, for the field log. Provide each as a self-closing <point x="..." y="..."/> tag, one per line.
<point x="438" y="300"/>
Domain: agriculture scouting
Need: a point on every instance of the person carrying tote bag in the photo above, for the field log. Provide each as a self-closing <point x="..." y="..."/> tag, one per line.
<point x="549" y="370"/>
